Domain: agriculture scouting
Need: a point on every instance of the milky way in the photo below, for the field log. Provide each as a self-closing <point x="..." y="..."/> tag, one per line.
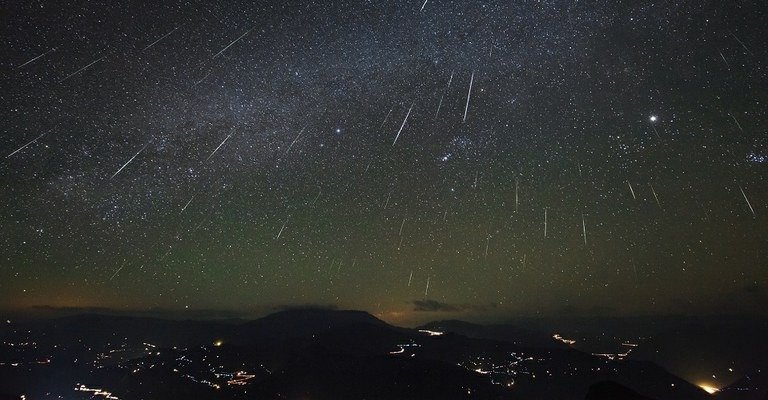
<point x="513" y="158"/>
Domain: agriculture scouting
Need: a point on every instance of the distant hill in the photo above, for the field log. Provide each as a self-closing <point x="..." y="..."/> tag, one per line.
<point x="698" y="348"/>
<point x="305" y="322"/>
<point x="98" y="330"/>
<point x="504" y="332"/>
<point x="314" y="353"/>
<point x="752" y="386"/>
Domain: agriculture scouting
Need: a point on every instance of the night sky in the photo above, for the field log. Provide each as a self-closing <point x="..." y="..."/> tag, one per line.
<point x="412" y="159"/>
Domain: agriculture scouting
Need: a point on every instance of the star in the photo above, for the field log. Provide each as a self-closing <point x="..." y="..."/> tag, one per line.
<point x="193" y="151"/>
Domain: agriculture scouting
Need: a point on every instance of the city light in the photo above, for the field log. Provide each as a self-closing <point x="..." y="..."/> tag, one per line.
<point x="708" y="388"/>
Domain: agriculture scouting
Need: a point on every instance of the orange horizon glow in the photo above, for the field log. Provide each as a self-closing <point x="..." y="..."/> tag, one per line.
<point x="708" y="388"/>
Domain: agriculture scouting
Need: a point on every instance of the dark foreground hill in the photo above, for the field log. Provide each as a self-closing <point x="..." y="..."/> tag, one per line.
<point x="612" y="391"/>
<point x="300" y="354"/>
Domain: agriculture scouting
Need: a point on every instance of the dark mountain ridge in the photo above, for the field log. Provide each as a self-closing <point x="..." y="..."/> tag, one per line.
<point x="316" y="354"/>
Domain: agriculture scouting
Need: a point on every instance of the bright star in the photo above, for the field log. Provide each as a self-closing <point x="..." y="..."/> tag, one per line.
<point x="654" y="118"/>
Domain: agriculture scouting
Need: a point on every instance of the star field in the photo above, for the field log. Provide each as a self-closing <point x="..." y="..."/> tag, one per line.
<point x="501" y="158"/>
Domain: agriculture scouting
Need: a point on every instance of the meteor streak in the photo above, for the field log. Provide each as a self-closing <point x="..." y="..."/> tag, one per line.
<point x="403" y="125"/>
<point x="129" y="161"/>
<point x="469" y="93"/>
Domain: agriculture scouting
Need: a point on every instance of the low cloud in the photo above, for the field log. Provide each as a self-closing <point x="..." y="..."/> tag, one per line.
<point x="293" y="307"/>
<point x="437" y="306"/>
